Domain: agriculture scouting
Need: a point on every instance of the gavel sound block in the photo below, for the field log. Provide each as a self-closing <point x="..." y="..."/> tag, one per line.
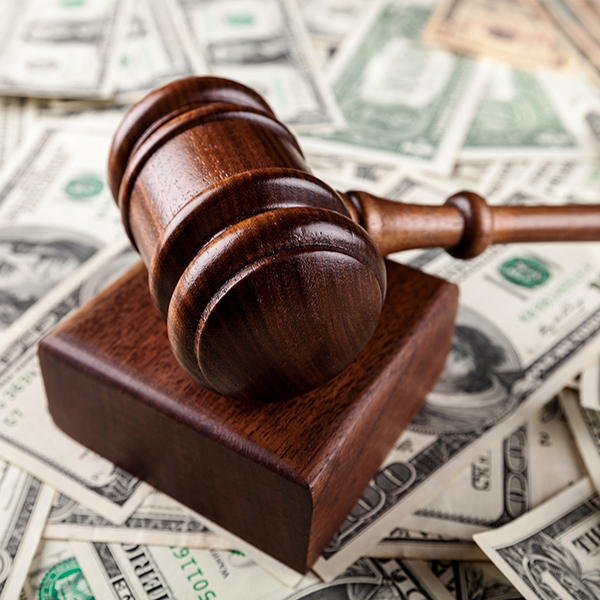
<point x="281" y="377"/>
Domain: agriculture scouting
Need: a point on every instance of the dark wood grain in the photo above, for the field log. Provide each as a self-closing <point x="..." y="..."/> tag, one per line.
<point x="282" y="476"/>
<point x="465" y="225"/>
<point x="261" y="269"/>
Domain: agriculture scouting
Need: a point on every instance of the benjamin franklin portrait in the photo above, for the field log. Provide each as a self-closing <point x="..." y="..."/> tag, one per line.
<point x="473" y="391"/>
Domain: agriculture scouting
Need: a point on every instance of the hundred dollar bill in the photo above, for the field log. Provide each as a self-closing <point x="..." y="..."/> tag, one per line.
<point x="16" y="118"/>
<point x="529" y="319"/>
<point x="28" y="436"/>
<point x="536" y="461"/>
<point x="158" y="521"/>
<point x="403" y="100"/>
<point x="585" y="425"/>
<point x="56" y="211"/>
<point x="154" y="54"/>
<point x="521" y="32"/>
<point x="55" y="573"/>
<point x="263" y="44"/>
<point x="61" y="49"/>
<point x="24" y="505"/>
<point x="522" y="117"/>
<point x="552" y="552"/>
<point x="402" y="543"/>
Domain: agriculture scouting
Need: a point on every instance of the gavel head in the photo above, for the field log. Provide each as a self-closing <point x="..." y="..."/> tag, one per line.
<point x="268" y="286"/>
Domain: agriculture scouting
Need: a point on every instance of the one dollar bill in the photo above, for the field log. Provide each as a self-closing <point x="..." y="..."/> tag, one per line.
<point x="150" y="573"/>
<point x="552" y="552"/>
<point x="263" y="44"/>
<point x="589" y="397"/>
<point x="585" y="426"/>
<point x="158" y="521"/>
<point x="24" y="505"/>
<point x="55" y="573"/>
<point x="404" y="100"/>
<point x="61" y="49"/>
<point x="536" y="461"/>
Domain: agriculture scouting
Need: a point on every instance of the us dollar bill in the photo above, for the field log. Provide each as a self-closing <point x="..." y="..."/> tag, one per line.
<point x="28" y="436"/>
<point x="151" y="572"/>
<point x="345" y="173"/>
<point x="153" y="52"/>
<point x="490" y="178"/>
<point x="419" y="545"/>
<point x="63" y="49"/>
<point x="263" y="44"/>
<point x="146" y="572"/>
<point x="585" y="425"/>
<point x="403" y="100"/>
<point x="574" y="181"/>
<point x="329" y="21"/>
<point x="520" y="33"/>
<point x="158" y="521"/>
<point x="16" y="118"/>
<point x="536" y="461"/>
<point x="552" y="552"/>
<point x="24" y="505"/>
<point x="56" y="211"/>
<point x="474" y="580"/>
<point x="529" y="319"/>
<point x="55" y="573"/>
<point x="514" y="98"/>
<point x="380" y="578"/>
<point x="580" y="23"/>
<point x="589" y="396"/>
<point x="72" y="114"/>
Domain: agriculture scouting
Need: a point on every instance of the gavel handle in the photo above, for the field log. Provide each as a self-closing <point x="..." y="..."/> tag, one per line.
<point x="466" y="225"/>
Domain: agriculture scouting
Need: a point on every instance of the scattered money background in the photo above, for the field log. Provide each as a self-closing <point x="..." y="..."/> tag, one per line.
<point x="409" y="99"/>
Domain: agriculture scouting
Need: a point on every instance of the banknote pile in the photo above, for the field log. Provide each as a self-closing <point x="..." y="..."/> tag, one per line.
<point x="492" y="491"/>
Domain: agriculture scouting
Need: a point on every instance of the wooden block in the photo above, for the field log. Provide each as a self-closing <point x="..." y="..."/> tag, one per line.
<point x="281" y="475"/>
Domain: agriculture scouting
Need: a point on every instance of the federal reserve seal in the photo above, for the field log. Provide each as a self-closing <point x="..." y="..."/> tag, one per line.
<point x="527" y="272"/>
<point x="65" y="581"/>
<point x="84" y="187"/>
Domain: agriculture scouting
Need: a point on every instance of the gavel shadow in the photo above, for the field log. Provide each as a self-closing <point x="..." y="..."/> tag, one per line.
<point x="280" y="475"/>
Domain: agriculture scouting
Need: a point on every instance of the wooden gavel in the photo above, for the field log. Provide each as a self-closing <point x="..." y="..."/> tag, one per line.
<point x="272" y="282"/>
